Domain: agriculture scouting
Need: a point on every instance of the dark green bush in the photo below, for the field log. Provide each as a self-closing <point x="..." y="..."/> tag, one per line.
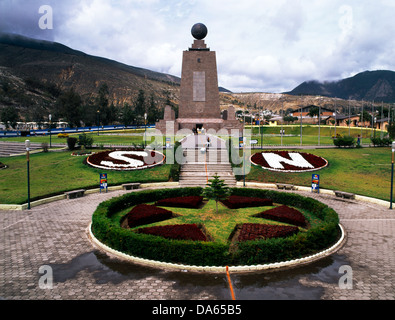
<point x="85" y="140"/>
<point x="381" y="142"/>
<point x="211" y="253"/>
<point x="71" y="142"/>
<point x="346" y="141"/>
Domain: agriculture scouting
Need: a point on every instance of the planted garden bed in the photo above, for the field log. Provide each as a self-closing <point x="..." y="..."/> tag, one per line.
<point x="285" y="214"/>
<point x="126" y="159"/>
<point x="252" y="243"/>
<point x="254" y="231"/>
<point x="181" y="202"/>
<point x="287" y="161"/>
<point x="236" y="202"/>
<point x="146" y="214"/>
<point x="176" y="232"/>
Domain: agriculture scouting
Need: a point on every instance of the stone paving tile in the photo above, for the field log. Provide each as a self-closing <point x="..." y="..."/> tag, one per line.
<point x="54" y="234"/>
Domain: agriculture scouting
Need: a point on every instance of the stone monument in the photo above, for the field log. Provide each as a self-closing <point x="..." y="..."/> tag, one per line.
<point x="199" y="94"/>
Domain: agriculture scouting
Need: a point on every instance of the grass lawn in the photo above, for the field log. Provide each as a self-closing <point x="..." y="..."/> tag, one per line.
<point x="365" y="171"/>
<point x="218" y="226"/>
<point x="310" y="134"/>
<point x="119" y="137"/>
<point x="55" y="172"/>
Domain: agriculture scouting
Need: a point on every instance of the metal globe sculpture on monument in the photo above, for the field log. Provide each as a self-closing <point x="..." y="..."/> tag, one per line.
<point x="199" y="31"/>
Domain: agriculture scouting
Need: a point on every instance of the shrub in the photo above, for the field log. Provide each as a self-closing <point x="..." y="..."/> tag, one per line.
<point x="253" y="231"/>
<point x="284" y="214"/>
<point x="381" y="142"/>
<point x="146" y="214"/>
<point x="178" y="232"/>
<point x="236" y="202"/>
<point x="71" y="142"/>
<point x="85" y="140"/>
<point x="346" y="141"/>
<point x="181" y="202"/>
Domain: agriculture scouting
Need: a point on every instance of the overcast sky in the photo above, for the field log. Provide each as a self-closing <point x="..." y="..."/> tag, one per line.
<point x="261" y="45"/>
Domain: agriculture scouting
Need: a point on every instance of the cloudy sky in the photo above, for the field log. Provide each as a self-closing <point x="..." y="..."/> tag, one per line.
<point x="261" y="45"/>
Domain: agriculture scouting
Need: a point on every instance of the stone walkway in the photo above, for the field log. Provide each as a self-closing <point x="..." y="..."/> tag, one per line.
<point x="52" y="238"/>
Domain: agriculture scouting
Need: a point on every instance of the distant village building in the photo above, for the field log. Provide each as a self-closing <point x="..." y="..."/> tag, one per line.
<point x="382" y="124"/>
<point x="304" y="112"/>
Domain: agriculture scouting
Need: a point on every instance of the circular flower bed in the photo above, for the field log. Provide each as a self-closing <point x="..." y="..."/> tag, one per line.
<point x="126" y="160"/>
<point x="289" y="236"/>
<point x="288" y="161"/>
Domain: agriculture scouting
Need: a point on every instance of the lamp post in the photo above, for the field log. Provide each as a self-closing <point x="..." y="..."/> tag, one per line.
<point x="27" y="145"/>
<point x="319" y="124"/>
<point x="244" y="162"/>
<point x="392" y="173"/>
<point x="145" y="129"/>
<point x="50" y="136"/>
<point x="98" y="121"/>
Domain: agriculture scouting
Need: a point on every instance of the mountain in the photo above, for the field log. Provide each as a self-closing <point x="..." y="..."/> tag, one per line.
<point x="53" y="64"/>
<point x="34" y="72"/>
<point x="369" y="86"/>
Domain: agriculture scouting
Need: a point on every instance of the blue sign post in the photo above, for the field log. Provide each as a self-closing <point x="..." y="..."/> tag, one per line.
<point x="315" y="183"/>
<point x="103" y="182"/>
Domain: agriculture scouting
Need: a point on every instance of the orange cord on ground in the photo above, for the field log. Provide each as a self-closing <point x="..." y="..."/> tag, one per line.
<point x="230" y="284"/>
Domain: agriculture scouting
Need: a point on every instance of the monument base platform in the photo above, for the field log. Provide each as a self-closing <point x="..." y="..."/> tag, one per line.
<point x="208" y="124"/>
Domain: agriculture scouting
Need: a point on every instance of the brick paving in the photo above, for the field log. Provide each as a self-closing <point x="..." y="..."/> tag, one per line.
<point x="54" y="235"/>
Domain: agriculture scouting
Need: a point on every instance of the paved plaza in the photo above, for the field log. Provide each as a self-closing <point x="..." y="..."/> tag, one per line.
<point x="53" y="238"/>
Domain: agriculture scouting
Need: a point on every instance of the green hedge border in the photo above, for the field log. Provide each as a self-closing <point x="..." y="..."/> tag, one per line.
<point x="215" y="254"/>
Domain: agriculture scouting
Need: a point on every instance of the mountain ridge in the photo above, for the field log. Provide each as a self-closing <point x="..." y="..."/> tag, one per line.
<point x="377" y="85"/>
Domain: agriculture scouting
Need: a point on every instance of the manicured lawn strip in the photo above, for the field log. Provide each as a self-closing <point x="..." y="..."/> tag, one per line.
<point x="56" y="172"/>
<point x="365" y="171"/>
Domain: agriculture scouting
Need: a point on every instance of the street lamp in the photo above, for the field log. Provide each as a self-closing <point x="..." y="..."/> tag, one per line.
<point x="98" y="121"/>
<point x="50" y="136"/>
<point x="27" y="145"/>
<point x="392" y="172"/>
<point x="244" y="162"/>
<point x="145" y="129"/>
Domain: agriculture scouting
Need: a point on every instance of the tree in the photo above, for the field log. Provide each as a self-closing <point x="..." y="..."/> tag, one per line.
<point x="314" y="111"/>
<point x="139" y="104"/>
<point x="69" y="104"/>
<point x="365" y="117"/>
<point x="152" y="112"/>
<point x="102" y="104"/>
<point x="216" y="190"/>
<point x="290" y="119"/>
<point x="391" y="130"/>
<point x="9" y="115"/>
<point x="127" y="114"/>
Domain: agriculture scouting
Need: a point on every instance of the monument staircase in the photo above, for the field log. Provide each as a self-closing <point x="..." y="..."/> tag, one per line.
<point x="202" y="164"/>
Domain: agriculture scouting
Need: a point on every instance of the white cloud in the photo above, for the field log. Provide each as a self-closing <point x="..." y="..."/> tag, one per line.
<point x="269" y="45"/>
